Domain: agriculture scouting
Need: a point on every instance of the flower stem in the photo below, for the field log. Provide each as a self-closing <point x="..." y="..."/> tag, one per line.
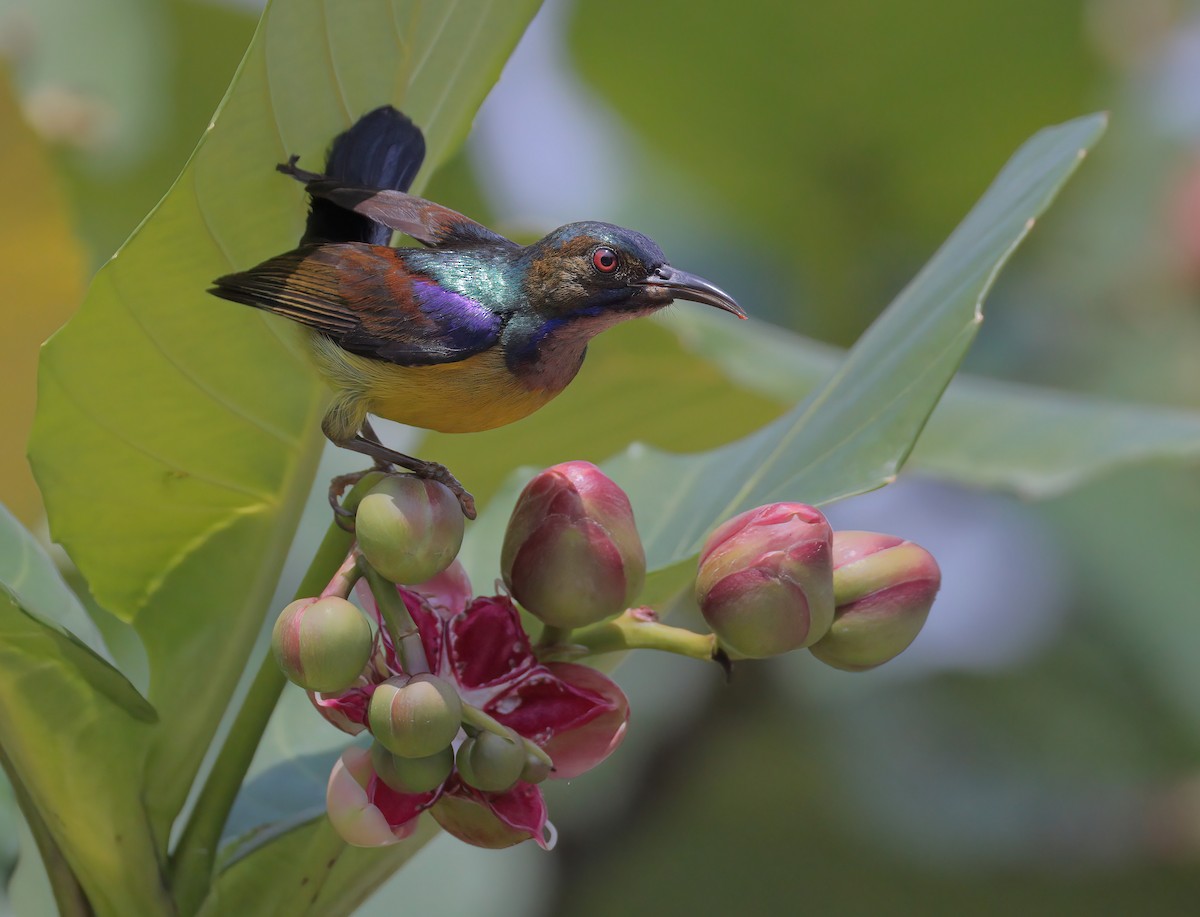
<point x="191" y="865"/>
<point x="635" y="629"/>
<point x="553" y="636"/>
<point x="406" y="638"/>
<point x="343" y="581"/>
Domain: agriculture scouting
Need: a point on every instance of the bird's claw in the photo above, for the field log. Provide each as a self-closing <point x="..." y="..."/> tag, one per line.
<point x="432" y="471"/>
<point x="442" y="475"/>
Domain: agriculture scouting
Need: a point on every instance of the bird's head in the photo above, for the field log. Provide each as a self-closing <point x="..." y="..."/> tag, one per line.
<point x="599" y="270"/>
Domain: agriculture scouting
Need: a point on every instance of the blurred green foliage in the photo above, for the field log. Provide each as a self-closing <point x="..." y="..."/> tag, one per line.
<point x="843" y="141"/>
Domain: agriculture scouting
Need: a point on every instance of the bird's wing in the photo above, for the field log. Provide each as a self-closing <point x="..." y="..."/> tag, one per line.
<point x="365" y="299"/>
<point x="427" y="222"/>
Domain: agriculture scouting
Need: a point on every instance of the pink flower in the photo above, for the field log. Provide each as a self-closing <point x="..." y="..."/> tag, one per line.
<point x="576" y="714"/>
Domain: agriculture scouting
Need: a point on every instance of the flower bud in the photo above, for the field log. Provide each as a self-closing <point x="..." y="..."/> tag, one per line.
<point x="571" y="554"/>
<point x="536" y="768"/>
<point x="415" y="717"/>
<point x="490" y="762"/>
<point x="765" y="582"/>
<point x="322" y="644"/>
<point x="409" y="528"/>
<point x="884" y="587"/>
<point x="412" y="775"/>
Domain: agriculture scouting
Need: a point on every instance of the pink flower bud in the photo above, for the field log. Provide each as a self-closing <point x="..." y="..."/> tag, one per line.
<point x="765" y="583"/>
<point x="322" y="644"/>
<point x="571" y="553"/>
<point x="884" y="587"/>
<point x="409" y="528"/>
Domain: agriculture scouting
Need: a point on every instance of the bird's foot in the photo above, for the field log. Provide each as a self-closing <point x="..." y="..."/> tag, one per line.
<point x="430" y="470"/>
<point x="442" y="475"/>
<point x="337" y="486"/>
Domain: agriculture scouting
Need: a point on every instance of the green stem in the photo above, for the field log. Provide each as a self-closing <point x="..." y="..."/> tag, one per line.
<point x="553" y="636"/>
<point x="68" y="893"/>
<point x="635" y="629"/>
<point x="406" y="637"/>
<point x="191" y="868"/>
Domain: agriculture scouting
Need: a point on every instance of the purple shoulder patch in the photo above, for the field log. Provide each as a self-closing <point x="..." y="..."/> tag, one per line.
<point x="461" y="322"/>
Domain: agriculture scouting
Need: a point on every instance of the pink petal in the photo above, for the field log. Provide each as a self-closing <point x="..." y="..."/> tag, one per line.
<point x="577" y="714"/>
<point x="487" y="644"/>
<point x="448" y="592"/>
<point x="356" y="819"/>
<point x="398" y="808"/>
<point x="492" y="820"/>
<point x="346" y="711"/>
<point x="584" y="746"/>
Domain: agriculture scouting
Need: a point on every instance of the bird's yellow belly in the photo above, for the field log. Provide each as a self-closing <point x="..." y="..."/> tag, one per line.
<point x="478" y="393"/>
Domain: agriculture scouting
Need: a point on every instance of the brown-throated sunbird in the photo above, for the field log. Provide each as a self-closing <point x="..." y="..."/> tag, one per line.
<point x="469" y="333"/>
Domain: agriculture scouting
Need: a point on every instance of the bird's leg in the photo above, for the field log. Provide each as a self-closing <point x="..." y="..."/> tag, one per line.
<point x="366" y="443"/>
<point x="339" y="483"/>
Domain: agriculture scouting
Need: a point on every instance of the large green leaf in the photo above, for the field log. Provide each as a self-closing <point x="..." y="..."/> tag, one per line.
<point x="1035" y="442"/>
<point x="74" y="733"/>
<point x="176" y="434"/>
<point x="853" y="433"/>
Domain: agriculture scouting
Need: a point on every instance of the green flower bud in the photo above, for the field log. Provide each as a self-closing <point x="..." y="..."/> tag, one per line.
<point x="412" y="775"/>
<point x="884" y="587"/>
<point x="322" y="644"/>
<point x="571" y="553"/>
<point x="415" y="717"/>
<point x="490" y="762"/>
<point x="765" y="580"/>
<point x="409" y="528"/>
<point x="536" y="768"/>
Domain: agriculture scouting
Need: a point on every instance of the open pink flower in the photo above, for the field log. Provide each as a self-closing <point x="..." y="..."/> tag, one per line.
<point x="572" y="711"/>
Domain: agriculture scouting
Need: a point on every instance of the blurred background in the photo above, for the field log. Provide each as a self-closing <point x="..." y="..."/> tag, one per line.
<point x="1037" y="750"/>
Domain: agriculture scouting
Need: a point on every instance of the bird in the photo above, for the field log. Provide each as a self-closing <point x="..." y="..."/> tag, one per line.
<point x="466" y="331"/>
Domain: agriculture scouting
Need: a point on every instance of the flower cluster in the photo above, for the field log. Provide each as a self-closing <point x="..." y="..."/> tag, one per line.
<point x="466" y="715"/>
<point x="778" y="578"/>
<point x="576" y="715"/>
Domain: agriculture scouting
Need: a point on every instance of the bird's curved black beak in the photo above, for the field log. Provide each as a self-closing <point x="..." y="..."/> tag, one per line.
<point x="681" y="285"/>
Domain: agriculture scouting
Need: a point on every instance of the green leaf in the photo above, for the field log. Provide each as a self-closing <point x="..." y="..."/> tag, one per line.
<point x="1034" y="442"/>
<point x="853" y="433"/>
<point x="176" y="434"/>
<point x="74" y="734"/>
<point x="35" y="587"/>
<point x="325" y="877"/>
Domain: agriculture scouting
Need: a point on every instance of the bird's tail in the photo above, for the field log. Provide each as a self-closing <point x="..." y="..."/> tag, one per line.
<point x="383" y="149"/>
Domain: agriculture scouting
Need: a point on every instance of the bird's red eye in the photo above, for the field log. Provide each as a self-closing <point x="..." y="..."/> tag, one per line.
<point x="604" y="260"/>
